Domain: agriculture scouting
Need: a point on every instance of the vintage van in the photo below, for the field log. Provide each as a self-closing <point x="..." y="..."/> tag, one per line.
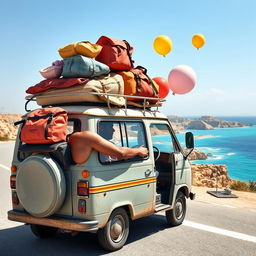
<point x="50" y="192"/>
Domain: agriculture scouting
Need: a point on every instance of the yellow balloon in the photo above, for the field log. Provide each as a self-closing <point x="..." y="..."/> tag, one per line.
<point x="198" y="40"/>
<point x="162" y="45"/>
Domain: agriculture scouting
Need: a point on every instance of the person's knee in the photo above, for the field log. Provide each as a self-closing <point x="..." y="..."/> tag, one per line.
<point x="84" y="140"/>
<point x="81" y="146"/>
<point x="78" y="136"/>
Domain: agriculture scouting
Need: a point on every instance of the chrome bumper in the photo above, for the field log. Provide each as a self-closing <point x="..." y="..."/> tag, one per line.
<point x="62" y="223"/>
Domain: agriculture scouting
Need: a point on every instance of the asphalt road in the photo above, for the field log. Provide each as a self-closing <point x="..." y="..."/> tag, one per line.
<point x="209" y="229"/>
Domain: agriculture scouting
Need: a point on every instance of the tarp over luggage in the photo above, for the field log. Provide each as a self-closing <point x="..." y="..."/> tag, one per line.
<point x="112" y="83"/>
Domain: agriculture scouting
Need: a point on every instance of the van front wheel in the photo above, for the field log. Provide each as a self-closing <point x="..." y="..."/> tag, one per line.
<point x="114" y="235"/>
<point x="176" y="216"/>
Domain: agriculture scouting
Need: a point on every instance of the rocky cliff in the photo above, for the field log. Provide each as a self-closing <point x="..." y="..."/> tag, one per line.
<point x="7" y="129"/>
<point x="218" y="123"/>
<point x="196" y="154"/>
<point x="210" y="175"/>
<point x="180" y="124"/>
<point x="199" y="125"/>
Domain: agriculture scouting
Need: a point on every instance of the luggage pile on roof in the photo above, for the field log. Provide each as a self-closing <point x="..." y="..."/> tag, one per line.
<point x="101" y="72"/>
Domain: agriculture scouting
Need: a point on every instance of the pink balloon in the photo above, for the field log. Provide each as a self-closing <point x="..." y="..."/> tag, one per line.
<point x="182" y="79"/>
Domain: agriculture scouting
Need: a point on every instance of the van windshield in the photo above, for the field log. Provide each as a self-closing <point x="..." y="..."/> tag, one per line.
<point x="161" y="138"/>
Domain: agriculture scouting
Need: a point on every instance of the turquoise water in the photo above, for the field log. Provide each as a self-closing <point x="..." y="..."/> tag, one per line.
<point x="233" y="147"/>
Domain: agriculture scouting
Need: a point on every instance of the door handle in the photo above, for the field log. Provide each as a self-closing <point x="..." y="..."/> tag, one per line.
<point x="147" y="172"/>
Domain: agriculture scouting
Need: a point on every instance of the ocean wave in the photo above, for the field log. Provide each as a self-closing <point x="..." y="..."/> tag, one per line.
<point x="218" y="157"/>
<point x="209" y="149"/>
<point x="230" y="154"/>
<point x="215" y="157"/>
<point x="206" y="136"/>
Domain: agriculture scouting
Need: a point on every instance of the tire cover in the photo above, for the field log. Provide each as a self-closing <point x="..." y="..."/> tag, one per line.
<point x="41" y="185"/>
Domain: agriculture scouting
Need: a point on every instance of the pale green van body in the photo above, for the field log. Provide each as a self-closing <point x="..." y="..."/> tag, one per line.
<point x="131" y="185"/>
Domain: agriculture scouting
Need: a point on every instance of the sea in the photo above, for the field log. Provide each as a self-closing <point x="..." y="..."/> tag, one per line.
<point x="233" y="147"/>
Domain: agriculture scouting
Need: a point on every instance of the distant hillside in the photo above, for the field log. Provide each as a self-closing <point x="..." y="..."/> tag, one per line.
<point x="203" y="123"/>
<point x="180" y="124"/>
<point x="7" y="129"/>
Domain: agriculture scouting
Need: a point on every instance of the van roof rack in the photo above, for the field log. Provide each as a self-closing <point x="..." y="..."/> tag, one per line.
<point x="91" y="104"/>
<point x="143" y="102"/>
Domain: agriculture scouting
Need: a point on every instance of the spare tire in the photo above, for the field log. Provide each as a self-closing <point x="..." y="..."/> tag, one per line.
<point x="41" y="185"/>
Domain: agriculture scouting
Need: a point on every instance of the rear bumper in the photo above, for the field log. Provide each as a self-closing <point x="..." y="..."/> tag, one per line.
<point x="62" y="223"/>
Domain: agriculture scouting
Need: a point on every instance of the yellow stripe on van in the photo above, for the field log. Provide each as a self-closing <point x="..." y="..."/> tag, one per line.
<point x="122" y="185"/>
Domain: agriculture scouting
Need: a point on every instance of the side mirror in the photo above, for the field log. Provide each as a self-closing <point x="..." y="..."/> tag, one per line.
<point x="189" y="143"/>
<point x="189" y="140"/>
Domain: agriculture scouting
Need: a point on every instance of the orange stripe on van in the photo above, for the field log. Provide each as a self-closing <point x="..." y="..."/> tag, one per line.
<point x="122" y="185"/>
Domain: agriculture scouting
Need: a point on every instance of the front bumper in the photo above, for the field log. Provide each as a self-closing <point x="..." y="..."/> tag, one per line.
<point x="62" y="223"/>
<point x="192" y="196"/>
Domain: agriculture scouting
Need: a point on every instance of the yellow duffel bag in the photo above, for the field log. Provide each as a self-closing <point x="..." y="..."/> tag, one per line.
<point x="84" y="48"/>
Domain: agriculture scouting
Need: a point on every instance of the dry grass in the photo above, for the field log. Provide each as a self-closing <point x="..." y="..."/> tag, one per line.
<point x="243" y="186"/>
<point x="4" y="138"/>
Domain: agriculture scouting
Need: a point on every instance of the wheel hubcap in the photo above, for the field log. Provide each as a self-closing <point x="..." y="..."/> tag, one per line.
<point x="117" y="228"/>
<point x="179" y="210"/>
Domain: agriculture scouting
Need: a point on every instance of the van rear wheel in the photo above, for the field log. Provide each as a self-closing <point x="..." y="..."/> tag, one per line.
<point x="115" y="233"/>
<point x="43" y="231"/>
<point x="176" y="216"/>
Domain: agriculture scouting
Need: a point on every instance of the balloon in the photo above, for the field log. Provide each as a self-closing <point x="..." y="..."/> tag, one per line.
<point x="162" y="45"/>
<point x="163" y="86"/>
<point x="182" y="79"/>
<point x="198" y="41"/>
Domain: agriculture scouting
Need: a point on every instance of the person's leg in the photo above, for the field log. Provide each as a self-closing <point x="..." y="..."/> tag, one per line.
<point x="81" y="147"/>
<point x="82" y="144"/>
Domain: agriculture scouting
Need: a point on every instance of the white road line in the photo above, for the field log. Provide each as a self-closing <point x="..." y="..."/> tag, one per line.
<point x="5" y="167"/>
<point x="224" y="205"/>
<point x="220" y="231"/>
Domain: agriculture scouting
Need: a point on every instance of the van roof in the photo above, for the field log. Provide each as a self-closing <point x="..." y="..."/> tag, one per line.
<point x="114" y="111"/>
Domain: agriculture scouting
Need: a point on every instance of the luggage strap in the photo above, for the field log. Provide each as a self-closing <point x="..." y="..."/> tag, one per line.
<point x="138" y="80"/>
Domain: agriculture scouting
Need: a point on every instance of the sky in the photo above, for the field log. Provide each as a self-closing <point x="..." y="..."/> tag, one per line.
<point x="32" y="31"/>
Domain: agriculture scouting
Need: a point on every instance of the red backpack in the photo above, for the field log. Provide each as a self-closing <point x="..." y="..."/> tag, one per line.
<point x="138" y="83"/>
<point x="115" y="53"/>
<point x="44" y="126"/>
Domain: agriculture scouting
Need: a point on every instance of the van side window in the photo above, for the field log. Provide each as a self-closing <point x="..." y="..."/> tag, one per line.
<point x="110" y="131"/>
<point x="74" y="125"/>
<point x="135" y="135"/>
<point x="122" y="134"/>
<point x="161" y="138"/>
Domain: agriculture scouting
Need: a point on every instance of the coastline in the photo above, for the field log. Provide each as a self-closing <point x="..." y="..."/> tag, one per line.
<point x="231" y="147"/>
